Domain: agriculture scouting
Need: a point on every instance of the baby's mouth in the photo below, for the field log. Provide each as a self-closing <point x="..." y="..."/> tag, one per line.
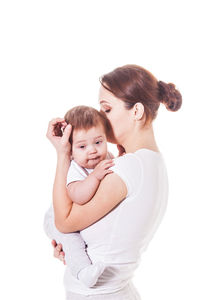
<point x="95" y="158"/>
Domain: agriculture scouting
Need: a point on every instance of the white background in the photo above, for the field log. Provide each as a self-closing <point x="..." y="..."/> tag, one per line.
<point x="52" y="55"/>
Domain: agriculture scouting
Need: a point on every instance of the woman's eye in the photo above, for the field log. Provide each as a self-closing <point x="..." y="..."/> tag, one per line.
<point x="107" y="111"/>
<point x="98" y="142"/>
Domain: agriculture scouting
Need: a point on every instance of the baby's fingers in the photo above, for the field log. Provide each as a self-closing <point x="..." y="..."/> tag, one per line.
<point x="107" y="171"/>
<point x="109" y="164"/>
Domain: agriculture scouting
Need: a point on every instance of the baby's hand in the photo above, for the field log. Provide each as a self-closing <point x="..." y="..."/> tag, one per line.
<point x="102" y="169"/>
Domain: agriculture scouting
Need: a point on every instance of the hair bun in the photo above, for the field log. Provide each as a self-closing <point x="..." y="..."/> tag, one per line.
<point x="169" y="96"/>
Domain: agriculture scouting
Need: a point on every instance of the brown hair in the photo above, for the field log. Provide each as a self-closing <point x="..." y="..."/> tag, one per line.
<point x="85" y="117"/>
<point x="132" y="84"/>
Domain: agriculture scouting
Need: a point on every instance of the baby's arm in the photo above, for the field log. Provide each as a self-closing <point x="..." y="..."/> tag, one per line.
<point x="82" y="191"/>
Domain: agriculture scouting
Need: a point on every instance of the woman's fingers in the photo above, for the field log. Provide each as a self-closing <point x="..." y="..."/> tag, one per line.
<point x="58" y="253"/>
<point x="67" y="132"/>
<point x="59" y="127"/>
<point x="58" y="133"/>
<point x="62" y="257"/>
<point x="52" y="124"/>
<point x="57" y="248"/>
<point x="56" y="120"/>
<point x="53" y="243"/>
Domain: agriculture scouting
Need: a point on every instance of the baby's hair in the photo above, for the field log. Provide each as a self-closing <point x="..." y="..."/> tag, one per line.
<point x="85" y="117"/>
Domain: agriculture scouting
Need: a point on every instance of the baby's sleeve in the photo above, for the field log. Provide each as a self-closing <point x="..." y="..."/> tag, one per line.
<point x="75" y="173"/>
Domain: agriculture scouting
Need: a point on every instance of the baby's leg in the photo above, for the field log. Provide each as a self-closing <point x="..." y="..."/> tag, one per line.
<point x="76" y="255"/>
<point x="78" y="260"/>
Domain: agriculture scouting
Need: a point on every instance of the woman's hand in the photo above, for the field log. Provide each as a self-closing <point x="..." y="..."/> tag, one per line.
<point x="58" y="133"/>
<point x="58" y="253"/>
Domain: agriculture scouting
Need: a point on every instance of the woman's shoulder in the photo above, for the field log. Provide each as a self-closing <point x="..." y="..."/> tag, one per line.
<point x="127" y="158"/>
<point x="135" y="162"/>
<point x="129" y="168"/>
<point x="128" y="163"/>
<point x="138" y="156"/>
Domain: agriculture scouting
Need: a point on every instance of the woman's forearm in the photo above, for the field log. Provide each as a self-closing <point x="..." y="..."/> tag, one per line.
<point x="61" y="201"/>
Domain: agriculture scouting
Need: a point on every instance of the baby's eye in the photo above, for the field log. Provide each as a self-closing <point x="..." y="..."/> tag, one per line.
<point x="82" y="147"/>
<point x="98" y="142"/>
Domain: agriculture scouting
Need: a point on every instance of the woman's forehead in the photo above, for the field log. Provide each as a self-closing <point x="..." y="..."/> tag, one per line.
<point x="106" y="97"/>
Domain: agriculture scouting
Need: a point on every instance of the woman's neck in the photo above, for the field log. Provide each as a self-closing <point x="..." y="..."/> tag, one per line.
<point x="140" y="138"/>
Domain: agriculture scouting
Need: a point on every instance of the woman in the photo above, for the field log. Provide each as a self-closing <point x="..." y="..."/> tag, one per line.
<point x="122" y="217"/>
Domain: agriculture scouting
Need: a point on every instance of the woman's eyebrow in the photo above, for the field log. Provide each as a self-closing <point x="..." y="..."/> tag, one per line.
<point x="103" y="101"/>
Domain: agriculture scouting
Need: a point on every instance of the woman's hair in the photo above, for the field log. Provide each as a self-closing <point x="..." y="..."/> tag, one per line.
<point x="85" y="117"/>
<point x="132" y="84"/>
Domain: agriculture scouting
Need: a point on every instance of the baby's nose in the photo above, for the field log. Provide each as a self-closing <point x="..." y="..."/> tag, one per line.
<point x="92" y="149"/>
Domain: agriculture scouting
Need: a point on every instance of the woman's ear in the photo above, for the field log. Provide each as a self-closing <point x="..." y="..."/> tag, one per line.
<point x="138" y="111"/>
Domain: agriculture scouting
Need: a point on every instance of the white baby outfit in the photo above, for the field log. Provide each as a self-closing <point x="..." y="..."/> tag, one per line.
<point x="73" y="243"/>
<point x="116" y="241"/>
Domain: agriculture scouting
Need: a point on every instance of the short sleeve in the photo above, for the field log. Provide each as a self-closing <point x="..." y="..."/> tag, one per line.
<point x="129" y="169"/>
<point x="75" y="173"/>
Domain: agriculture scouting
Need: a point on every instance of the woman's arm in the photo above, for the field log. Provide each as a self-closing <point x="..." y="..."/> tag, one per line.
<point x="112" y="190"/>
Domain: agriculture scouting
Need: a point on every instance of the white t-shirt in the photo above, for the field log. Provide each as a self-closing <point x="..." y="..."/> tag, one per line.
<point x="119" y="238"/>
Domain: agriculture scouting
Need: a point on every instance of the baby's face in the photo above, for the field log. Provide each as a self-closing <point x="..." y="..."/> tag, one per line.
<point x="89" y="146"/>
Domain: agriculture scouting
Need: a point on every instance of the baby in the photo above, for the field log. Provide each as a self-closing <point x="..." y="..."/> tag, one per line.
<point x="90" y="158"/>
<point x="90" y="163"/>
